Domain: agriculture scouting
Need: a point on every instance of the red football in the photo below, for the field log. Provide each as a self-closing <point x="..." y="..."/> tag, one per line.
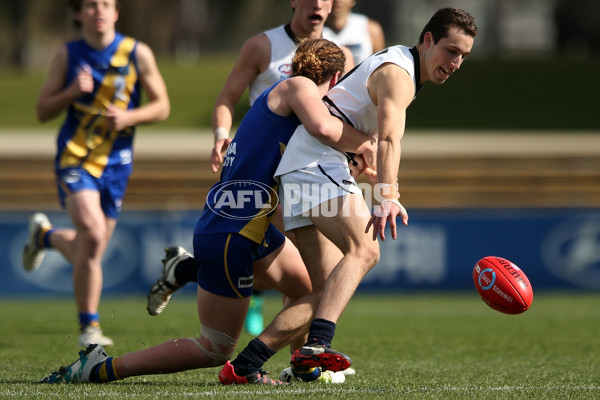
<point x="502" y="285"/>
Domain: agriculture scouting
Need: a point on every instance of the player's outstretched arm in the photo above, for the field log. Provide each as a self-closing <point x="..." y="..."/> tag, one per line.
<point x="251" y="61"/>
<point x="393" y="89"/>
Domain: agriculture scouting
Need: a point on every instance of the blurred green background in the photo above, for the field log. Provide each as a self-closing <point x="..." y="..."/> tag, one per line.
<point x="484" y="94"/>
<point x="535" y="64"/>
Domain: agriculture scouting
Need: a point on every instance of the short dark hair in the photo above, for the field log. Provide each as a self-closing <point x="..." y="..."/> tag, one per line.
<point x="444" y="19"/>
<point x="75" y="6"/>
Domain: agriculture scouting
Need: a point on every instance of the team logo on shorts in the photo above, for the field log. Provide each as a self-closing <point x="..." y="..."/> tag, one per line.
<point x="242" y="200"/>
<point x="71" y="176"/>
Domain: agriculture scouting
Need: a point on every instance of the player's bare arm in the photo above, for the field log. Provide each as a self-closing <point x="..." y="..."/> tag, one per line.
<point x="392" y="89"/>
<point x="53" y="99"/>
<point x="253" y="59"/>
<point x="158" y="107"/>
<point x="304" y="99"/>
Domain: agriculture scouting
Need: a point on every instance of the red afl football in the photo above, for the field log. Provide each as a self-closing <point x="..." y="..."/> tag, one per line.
<point x="502" y="285"/>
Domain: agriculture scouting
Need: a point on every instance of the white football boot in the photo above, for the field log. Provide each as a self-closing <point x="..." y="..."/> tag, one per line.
<point x="33" y="252"/>
<point x="93" y="335"/>
<point x="81" y="369"/>
<point x="166" y="285"/>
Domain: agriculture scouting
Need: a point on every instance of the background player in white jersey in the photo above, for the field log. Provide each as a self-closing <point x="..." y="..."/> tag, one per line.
<point x="362" y="35"/>
<point x="373" y="98"/>
<point x="98" y="81"/>
<point x="263" y="60"/>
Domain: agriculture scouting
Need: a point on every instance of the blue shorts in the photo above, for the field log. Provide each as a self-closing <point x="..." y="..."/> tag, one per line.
<point x="111" y="185"/>
<point x="226" y="260"/>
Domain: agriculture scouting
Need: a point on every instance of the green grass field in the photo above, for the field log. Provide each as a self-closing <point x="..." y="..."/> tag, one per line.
<point x="426" y="346"/>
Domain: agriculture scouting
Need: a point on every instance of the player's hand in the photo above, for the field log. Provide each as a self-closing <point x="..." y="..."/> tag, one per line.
<point x="357" y="167"/>
<point x="371" y="175"/>
<point x="116" y="118"/>
<point x="83" y="82"/>
<point x="216" y="156"/>
<point x="386" y="212"/>
<point x="369" y="153"/>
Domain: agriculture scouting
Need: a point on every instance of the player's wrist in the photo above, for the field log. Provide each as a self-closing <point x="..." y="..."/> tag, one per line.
<point x="386" y="191"/>
<point x="393" y="201"/>
<point x="221" y="133"/>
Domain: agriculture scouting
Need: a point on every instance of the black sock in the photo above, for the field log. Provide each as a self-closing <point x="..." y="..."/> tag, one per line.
<point x="187" y="271"/>
<point x="252" y="358"/>
<point x="321" y="331"/>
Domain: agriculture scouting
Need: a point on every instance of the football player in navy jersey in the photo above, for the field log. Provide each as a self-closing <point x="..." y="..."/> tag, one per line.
<point x="98" y="81"/>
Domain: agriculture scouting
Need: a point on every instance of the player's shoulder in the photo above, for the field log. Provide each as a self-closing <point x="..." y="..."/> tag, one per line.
<point x="297" y="82"/>
<point x="257" y="43"/>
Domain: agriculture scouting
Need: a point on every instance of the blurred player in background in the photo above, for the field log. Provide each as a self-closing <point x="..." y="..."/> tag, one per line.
<point x="360" y="34"/>
<point x="373" y="98"/>
<point x="263" y="60"/>
<point x="98" y="80"/>
<point x="236" y="252"/>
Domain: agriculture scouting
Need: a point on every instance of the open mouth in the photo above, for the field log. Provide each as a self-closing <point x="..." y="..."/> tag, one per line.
<point x="316" y="18"/>
<point x="443" y="73"/>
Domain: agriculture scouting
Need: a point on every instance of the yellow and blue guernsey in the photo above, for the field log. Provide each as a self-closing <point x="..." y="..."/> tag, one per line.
<point x="245" y="198"/>
<point x="85" y="145"/>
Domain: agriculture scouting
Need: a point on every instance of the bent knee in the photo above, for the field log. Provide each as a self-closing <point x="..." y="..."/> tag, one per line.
<point x="369" y="254"/>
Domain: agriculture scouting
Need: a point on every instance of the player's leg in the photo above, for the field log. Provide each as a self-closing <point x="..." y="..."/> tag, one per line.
<point x="85" y="251"/>
<point x="345" y="230"/>
<point x="255" y="320"/>
<point x="221" y="321"/>
<point x="223" y="297"/>
<point x="284" y="271"/>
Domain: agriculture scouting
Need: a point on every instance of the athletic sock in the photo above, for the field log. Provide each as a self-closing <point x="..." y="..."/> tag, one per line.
<point x="46" y="237"/>
<point x="104" y="372"/>
<point x="87" y="319"/>
<point x="321" y="331"/>
<point x="252" y="358"/>
<point x="186" y="271"/>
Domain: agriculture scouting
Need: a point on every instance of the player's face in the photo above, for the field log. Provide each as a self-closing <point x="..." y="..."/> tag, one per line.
<point x="99" y="16"/>
<point x="447" y="55"/>
<point x="311" y="14"/>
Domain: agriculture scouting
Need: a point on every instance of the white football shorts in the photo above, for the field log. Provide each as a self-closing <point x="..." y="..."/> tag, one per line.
<point x="304" y="189"/>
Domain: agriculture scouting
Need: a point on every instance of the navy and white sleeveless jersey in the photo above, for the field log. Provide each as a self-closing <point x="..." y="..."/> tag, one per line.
<point x="283" y="48"/>
<point x="245" y="198"/>
<point x="84" y="140"/>
<point x="350" y="101"/>
<point x="354" y="35"/>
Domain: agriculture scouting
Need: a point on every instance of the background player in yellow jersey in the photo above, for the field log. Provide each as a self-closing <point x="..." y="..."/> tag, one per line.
<point x="98" y="80"/>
